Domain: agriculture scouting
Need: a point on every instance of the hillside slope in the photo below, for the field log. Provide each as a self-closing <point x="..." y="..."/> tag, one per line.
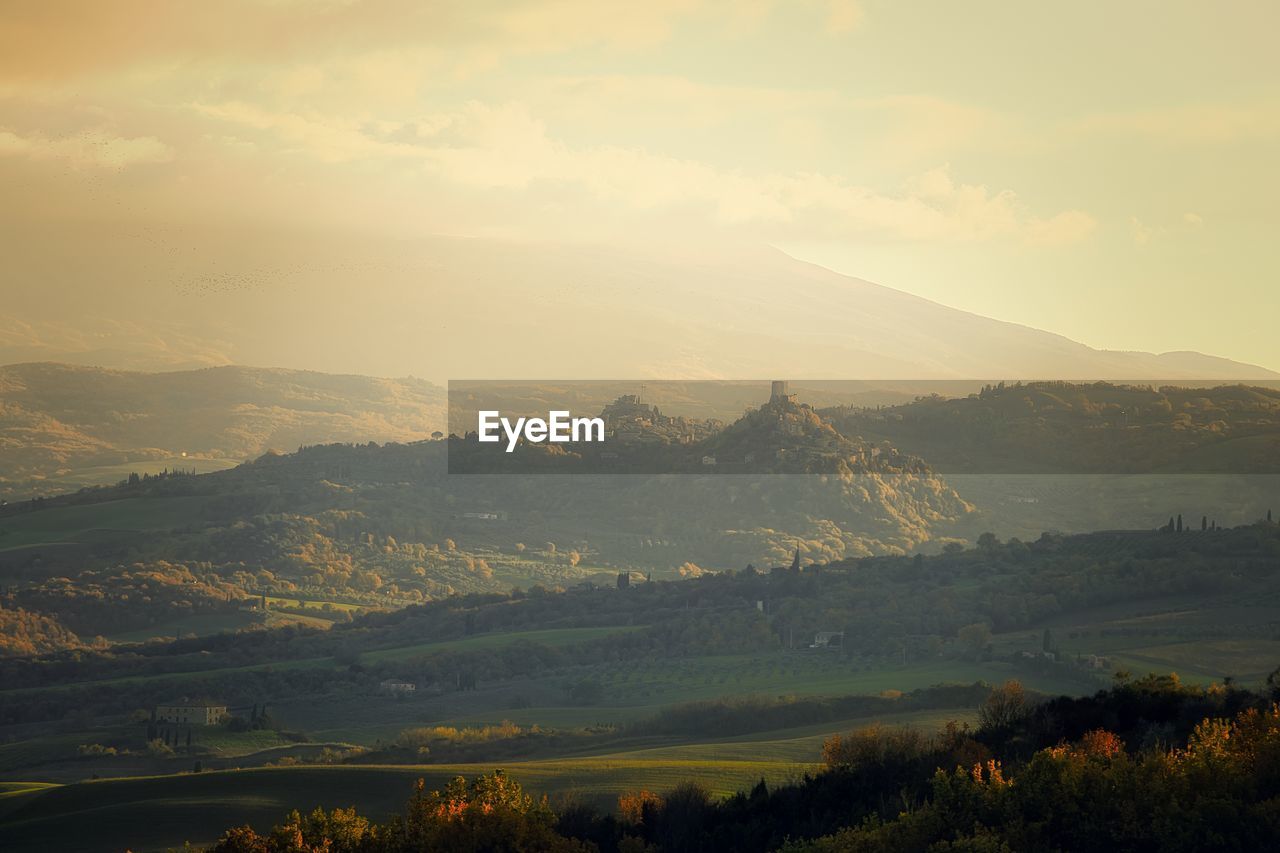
<point x="1095" y="428"/>
<point x="63" y="426"/>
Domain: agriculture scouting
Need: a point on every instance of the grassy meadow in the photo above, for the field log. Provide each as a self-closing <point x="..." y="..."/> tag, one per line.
<point x="84" y="523"/>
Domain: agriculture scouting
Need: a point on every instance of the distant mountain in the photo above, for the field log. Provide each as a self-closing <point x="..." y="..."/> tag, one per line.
<point x="452" y="308"/>
<point x="63" y="426"/>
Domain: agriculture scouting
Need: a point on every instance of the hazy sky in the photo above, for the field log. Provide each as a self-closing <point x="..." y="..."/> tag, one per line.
<point x="1103" y="170"/>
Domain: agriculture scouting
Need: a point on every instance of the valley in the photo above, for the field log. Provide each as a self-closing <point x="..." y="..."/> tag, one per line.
<point x="369" y="619"/>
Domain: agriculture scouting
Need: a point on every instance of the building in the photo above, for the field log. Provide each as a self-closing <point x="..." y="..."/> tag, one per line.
<point x="390" y="685"/>
<point x="192" y="713"/>
<point x="828" y="640"/>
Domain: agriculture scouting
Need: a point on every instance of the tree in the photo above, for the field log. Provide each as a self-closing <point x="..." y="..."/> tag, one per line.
<point x="681" y="819"/>
<point x="1273" y="685"/>
<point x="975" y="637"/>
<point x="158" y="748"/>
<point x="1005" y="708"/>
<point x="633" y="805"/>
<point x="586" y="692"/>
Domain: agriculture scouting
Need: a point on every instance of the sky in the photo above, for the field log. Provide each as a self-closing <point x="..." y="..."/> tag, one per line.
<point x="1105" y="171"/>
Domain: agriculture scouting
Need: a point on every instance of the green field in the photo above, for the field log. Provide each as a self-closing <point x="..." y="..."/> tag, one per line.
<point x="154" y="813"/>
<point x="32" y="752"/>
<point x="548" y="637"/>
<point x="657" y="683"/>
<point x="109" y="475"/>
<point x="493" y="640"/>
<point x="635" y="690"/>
<point x="151" y="813"/>
<point x="181" y="676"/>
<point x="313" y="603"/>
<point x="82" y="523"/>
<point x="1203" y="639"/>
<point x="199" y="624"/>
<point x="239" y="743"/>
<point x="799" y="745"/>
<point x="14" y="789"/>
<point x="1245" y="660"/>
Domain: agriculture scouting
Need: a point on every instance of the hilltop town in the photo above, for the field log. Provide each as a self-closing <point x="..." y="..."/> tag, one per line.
<point x="781" y="436"/>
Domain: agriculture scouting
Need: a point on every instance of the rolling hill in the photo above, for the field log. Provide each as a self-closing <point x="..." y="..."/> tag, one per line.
<point x="1074" y="428"/>
<point x="63" y="426"/>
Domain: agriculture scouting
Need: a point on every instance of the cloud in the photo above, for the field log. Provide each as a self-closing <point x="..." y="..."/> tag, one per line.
<point x="897" y="127"/>
<point x="327" y="139"/>
<point x="377" y="94"/>
<point x="60" y="39"/>
<point x="57" y="40"/>
<point x="1062" y="229"/>
<point x="506" y="147"/>
<point x="1143" y="234"/>
<point x="1140" y="232"/>
<point x="88" y="149"/>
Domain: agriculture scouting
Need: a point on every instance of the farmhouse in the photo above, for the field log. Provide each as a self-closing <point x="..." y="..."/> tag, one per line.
<point x="390" y="685"/>
<point x="828" y="640"/>
<point x="191" y="713"/>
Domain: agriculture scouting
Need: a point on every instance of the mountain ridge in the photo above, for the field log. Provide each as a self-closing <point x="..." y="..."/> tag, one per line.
<point x="378" y="306"/>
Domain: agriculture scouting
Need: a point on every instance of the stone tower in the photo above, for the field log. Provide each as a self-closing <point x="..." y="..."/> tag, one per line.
<point x="780" y="392"/>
